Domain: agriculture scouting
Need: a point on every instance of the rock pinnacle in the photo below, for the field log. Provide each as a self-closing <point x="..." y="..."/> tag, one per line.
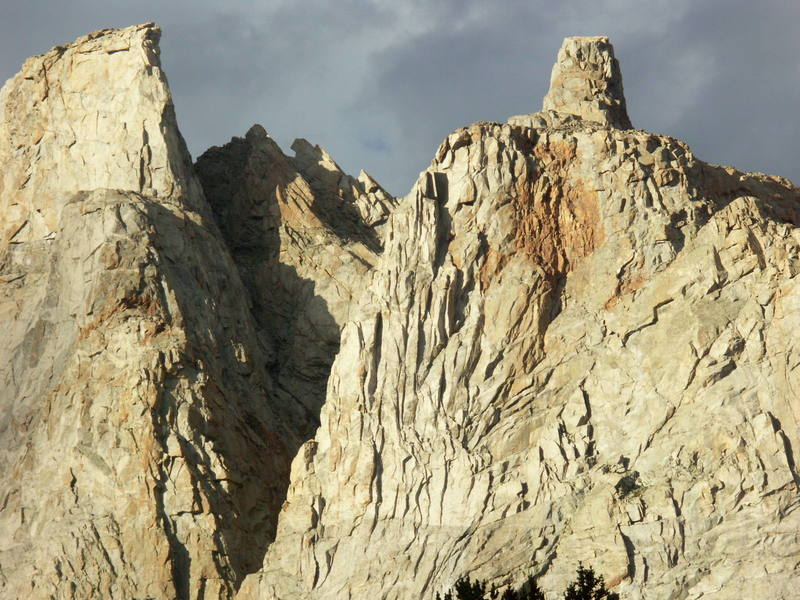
<point x="586" y="82"/>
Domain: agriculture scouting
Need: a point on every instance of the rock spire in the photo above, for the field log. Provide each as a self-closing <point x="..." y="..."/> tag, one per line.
<point x="586" y="82"/>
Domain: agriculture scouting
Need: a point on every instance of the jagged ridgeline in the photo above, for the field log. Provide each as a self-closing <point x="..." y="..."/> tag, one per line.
<point x="259" y="377"/>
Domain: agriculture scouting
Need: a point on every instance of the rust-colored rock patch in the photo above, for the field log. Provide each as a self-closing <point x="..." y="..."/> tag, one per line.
<point x="558" y="219"/>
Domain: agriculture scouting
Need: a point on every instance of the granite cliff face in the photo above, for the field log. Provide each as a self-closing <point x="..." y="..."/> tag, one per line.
<point x="140" y="455"/>
<point x="304" y="236"/>
<point x="572" y="340"/>
<point x="576" y="347"/>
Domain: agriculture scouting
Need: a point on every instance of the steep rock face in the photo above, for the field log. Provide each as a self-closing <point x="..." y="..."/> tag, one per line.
<point x="93" y="114"/>
<point x="571" y="341"/>
<point x="578" y="344"/>
<point x="139" y="454"/>
<point x="305" y="237"/>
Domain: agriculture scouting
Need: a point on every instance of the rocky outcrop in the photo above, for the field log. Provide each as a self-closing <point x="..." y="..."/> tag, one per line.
<point x="571" y="341"/>
<point x="586" y="82"/>
<point x="164" y="357"/>
<point x="577" y="345"/>
<point x="585" y="85"/>
<point x="304" y="236"/>
<point x="139" y="454"/>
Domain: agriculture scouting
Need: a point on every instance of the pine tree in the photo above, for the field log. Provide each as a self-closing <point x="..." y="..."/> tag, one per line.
<point x="470" y="590"/>
<point x="588" y="587"/>
<point x="466" y="589"/>
<point x="530" y="590"/>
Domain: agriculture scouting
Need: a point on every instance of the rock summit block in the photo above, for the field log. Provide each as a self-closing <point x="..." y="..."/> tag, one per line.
<point x="586" y="82"/>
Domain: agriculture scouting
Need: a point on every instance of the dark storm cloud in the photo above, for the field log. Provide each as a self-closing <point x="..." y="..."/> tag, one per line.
<point x="379" y="83"/>
<point x="722" y="75"/>
<point x="745" y="113"/>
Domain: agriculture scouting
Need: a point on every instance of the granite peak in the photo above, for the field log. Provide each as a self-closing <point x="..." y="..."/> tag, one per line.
<point x="257" y="376"/>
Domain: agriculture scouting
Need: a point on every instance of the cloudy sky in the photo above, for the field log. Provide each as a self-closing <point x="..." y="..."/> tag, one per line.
<point x="379" y="83"/>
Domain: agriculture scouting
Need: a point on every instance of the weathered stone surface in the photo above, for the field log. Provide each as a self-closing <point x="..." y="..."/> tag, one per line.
<point x="74" y="119"/>
<point x="139" y="455"/>
<point x="305" y="237"/>
<point x="571" y="341"/>
<point x="577" y="345"/>
<point x="586" y="82"/>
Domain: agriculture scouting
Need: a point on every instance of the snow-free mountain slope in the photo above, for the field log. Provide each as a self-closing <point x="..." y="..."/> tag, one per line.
<point x="578" y="346"/>
<point x="257" y="377"/>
